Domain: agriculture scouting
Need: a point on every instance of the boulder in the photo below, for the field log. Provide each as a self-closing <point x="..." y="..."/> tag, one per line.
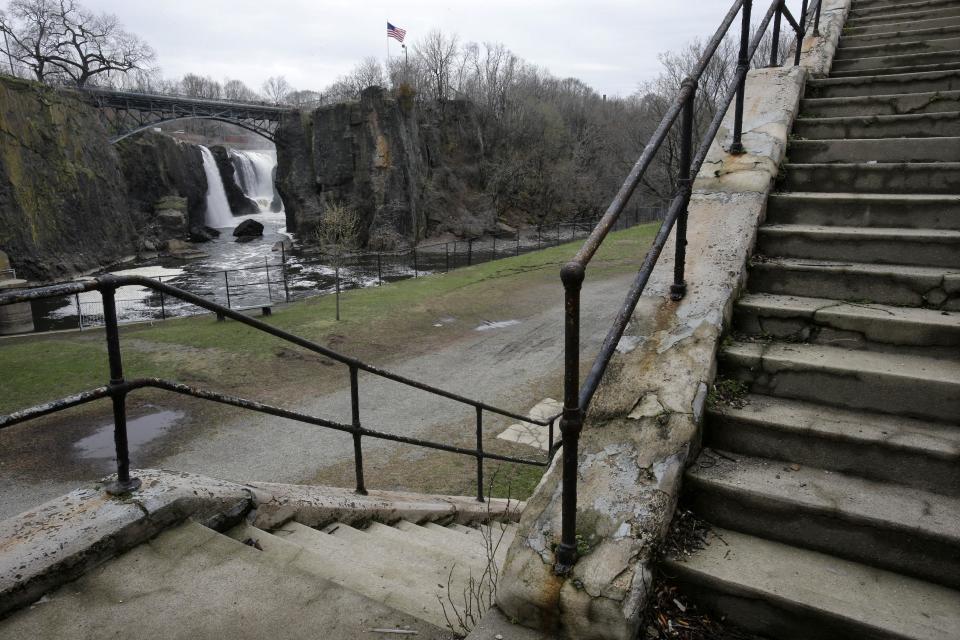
<point x="248" y="228"/>
<point x="171" y="220"/>
<point x="200" y="233"/>
<point x="175" y="245"/>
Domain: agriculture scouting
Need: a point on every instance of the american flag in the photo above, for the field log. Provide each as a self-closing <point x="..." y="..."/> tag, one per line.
<point x="395" y="32"/>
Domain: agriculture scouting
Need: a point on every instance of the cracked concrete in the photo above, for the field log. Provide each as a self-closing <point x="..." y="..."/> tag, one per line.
<point x="643" y="426"/>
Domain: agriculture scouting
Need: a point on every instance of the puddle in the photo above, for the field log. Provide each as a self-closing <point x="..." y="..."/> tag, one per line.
<point x="487" y="325"/>
<point x="140" y="431"/>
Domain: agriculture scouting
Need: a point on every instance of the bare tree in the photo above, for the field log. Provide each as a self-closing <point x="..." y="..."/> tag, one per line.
<point x="276" y="88"/>
<point x="237" y="91"/>
<point x="62" y="40"/>
<point x="336" y="234"/>
<point x="437" y="54"/>
<point x="196" y="86"/>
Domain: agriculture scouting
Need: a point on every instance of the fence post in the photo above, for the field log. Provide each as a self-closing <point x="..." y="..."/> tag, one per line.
<point x="480" y="454"/>
<point x="118" y="394"/>
<point x="266" y="265"/>
<point x="379" y="271"/>
<point x="743" y="64"/>
<point x="416" y="267"/>
<point x="775" y="43"/>
<point x="76" y="298"/>
<point x="469" y="252"/>
<point x="494" y="253"/>
<point x="163" y="306"/>
<point x="802" y="22"/>
<point x="539" y="237"/>
<point x="518" y="242"/>
<point x="571" y="422"/>
<point x="558" y="233"/>
<point x="446" y="247"/>
<point x="226" y="280"/>
<point x="355" y="414"/>
<point x="679" y="287"/>
<point x="283" y="272"/>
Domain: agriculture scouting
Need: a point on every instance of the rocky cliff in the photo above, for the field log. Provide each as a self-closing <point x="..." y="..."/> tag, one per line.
<point x="239" y="203"/>
<point x="408" y="171"/>
<point x="63" y="206"/>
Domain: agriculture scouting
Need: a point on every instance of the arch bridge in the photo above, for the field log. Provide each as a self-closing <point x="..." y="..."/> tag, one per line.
<point x="127" y="113"/>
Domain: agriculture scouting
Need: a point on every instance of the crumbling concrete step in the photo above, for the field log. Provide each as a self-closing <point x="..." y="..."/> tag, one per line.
<point x="922" y="455"/>
<point x="921" y="125"/>
<point x="477" y="545"/>
<point x="878" y="150"/>
<point x="902" y="529"/>
<point x="881" y="105"/>
<point x="902" y="14"/>
<point x="896" y="383"/>
<point x="470" y="550"/>
<point x="781" y="591"/>
<point x="436" y="563"/>
<point x="333" y="560"/>
<point x="927" y="41"/>
<point x="883" y="84"/>
<point x="460" y="528"/>
<point x="846" y="324"/>
<point x="883" y="61"/>
<point x="934" y="178"/>
<point x="192" y="582"/>
<point x="902" y="285"/>
<point x="898" y="70"/>
<point x="854" y="34"/>
<point x="865" y="209"/>
<point x="878" y="245"/>
<point x="882" y="7"/>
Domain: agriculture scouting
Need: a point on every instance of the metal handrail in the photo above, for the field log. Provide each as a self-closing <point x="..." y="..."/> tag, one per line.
<point x="577" y="399"/>
<point x="118" y="388"/>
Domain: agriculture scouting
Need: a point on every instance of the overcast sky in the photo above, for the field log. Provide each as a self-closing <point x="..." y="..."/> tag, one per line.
<point x="612" y="45"/>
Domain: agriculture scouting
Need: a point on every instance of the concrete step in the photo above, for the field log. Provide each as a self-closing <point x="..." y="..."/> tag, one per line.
<point x="878" y="150"/>
<point x="882" y="85"/>
<point x="914" y="453"/>
<point x="921" y="125"/>
<point x="882" y="7"/>
<point x="877" y="245"/>
<point x="865" y="209"/>
<point x="496" y="539"/>
<point x="470" y="550"/>
<point x="900" y="285"/>
<point x="901" y="14"/>
<point x="192" y="582"/>
<point x="853" y="33"/>
<point x="849" y="325"/>
<point x="908" y="33"/>
<point x="899" y="384"/>
<point x="898" y="70"/>
<point x="401" y="588"/>
<point x="931" y="178"/>
<point x="890" y="56"/>
<point x="785" y="592"/>
<point x="884" y="105"/>
<point x="897" y="528"/>
<point x="929" y="41"/>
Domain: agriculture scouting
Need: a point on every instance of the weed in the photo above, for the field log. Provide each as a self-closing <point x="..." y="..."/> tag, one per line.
<point x="729" y="392"/>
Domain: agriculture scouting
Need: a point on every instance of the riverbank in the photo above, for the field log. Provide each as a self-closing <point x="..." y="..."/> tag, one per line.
<point x="427" y="328"/>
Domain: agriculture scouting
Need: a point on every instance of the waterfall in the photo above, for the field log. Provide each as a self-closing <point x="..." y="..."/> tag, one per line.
<point x="218" y="209"/>
<point x="255" y="175"/>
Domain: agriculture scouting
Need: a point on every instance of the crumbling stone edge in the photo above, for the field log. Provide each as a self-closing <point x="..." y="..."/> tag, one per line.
<point x="62" y="539"/>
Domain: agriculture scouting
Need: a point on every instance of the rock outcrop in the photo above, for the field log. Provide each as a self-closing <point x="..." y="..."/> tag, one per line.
<point x="407" y="170"/>
<point x="63" y="205"/>
<point x="239" y="203"/>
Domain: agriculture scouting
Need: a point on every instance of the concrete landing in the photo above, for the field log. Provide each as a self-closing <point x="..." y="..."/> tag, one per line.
<point x="193" y="583"/>
<point x="536" y="435"/>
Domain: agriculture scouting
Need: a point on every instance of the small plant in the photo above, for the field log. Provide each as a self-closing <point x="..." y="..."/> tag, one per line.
<point x="336" y="233"/>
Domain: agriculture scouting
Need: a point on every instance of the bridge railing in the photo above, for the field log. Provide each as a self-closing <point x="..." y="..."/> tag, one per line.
<point x="118" y="387"/>
<point x="577" y="398"/>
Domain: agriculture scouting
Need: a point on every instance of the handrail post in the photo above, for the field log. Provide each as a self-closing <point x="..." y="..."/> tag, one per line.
<point x="571" y="422"/>
<point x="743" y="64"/>
<point x="226" y="281"/>
<point x="355" y="417"/>
<point x="802" y="22"/>
<point x="816" y="19"/>
<point x="685" y="182"/>
<point x="775" y="44"/>
<point x="118" y="394"/>
<point x="480" y="454"/>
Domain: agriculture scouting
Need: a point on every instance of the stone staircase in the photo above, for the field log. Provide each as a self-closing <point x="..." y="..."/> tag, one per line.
<point x="291" y="582"/>
<point x="833" y="484"/>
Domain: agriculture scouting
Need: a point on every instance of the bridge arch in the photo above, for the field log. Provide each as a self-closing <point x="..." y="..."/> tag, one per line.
<point x="265" y="132"/>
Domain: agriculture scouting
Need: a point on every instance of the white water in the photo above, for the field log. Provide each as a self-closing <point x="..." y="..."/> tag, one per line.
<point x="255" y="175"/>
<point x="218" y="209"/>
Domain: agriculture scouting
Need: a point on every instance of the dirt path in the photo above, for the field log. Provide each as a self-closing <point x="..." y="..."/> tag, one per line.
<point x="513" y="362"/>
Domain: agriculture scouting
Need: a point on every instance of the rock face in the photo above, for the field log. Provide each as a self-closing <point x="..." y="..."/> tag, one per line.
<point x="63" y="205"/>
<point x="239" y="203"/>
<point x="406" y="170"/>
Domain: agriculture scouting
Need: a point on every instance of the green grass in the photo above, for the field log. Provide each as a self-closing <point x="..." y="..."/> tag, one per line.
<point x="375" y="321"/>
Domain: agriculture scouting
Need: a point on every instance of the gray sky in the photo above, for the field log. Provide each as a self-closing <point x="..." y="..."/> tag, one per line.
<point x="610" y="44"/>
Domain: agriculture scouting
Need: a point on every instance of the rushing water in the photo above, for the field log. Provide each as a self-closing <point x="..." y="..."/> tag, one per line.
<point x="255" y="175"/>
<point x="218" y="209"/>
